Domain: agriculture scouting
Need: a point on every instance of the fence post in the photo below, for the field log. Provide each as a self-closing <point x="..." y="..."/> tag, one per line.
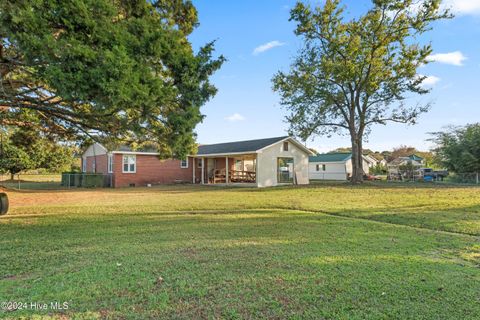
<point x="477" y="178"/>
<point x="18" y="177"/>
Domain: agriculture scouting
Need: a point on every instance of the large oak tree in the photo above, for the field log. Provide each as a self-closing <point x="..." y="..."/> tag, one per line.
<point x="352" y="74"/>
<point x="105" y="68"/>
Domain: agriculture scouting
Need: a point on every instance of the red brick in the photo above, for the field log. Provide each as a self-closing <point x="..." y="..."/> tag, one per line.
<point x="151" y="170"/>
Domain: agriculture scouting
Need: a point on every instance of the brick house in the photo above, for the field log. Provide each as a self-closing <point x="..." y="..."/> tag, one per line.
<point x="260" y="163"/>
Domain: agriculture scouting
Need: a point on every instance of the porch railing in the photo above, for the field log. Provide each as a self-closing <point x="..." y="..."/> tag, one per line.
<point x="234" y="176"/>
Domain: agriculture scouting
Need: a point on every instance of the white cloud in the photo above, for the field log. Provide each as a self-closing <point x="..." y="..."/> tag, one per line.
<point x="429" y="81"/>
<point x="455" y="58"/>
<point x="457" y="7"/>
<point x="235" y="117"/>
<point x="267" y="46"/>
<point x="463" y="7"/>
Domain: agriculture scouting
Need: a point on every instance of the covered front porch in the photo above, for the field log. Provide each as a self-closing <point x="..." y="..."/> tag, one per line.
<point x="238" y="169"/>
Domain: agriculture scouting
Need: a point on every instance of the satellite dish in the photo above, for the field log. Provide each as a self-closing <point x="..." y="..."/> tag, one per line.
<point x="3" y="203"/>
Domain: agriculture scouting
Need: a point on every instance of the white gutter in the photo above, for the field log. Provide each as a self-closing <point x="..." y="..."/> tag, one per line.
<point x="137" y="152"/>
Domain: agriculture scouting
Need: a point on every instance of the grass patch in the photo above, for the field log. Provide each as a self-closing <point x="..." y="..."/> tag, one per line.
<point x="193" y="252"/>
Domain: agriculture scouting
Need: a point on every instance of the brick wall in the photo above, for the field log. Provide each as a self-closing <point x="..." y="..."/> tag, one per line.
<point x="151" y="170"/>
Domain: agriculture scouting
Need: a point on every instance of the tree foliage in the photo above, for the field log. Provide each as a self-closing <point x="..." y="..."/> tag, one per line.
<point x="402" y="151"/>
<point x="352" y="74"/>
<point x="458" y="149"/>
<point x="117" y="69"/>
<point x="13" y="159"/>
<point x="24" y="149"/>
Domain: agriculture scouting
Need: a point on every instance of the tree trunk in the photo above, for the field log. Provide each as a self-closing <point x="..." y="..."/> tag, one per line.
<point x="357" y="160"/>
<point x="12" y="176"/>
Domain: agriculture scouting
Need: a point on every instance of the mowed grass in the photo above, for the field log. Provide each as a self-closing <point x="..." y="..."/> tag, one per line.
<point x="326" y="251"/>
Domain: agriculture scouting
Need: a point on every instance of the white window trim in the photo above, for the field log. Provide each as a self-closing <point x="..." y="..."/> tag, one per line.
<point x="84" y="164"/>
<point x="181" y="163"/>
<point x="110" y="163"/>
<point x="123" y="163"/>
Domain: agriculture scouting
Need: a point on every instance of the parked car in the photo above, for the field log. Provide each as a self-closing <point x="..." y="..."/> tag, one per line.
<point x="370" y="177"/>
<point x="428" y="174"/>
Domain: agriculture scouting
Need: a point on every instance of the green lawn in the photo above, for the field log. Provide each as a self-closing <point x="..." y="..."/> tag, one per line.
<point x="326" y="251"/>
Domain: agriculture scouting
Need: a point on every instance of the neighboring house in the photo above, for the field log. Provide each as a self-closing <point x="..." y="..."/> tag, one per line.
<point x="412" y="160"/>
<point x="371" y="161"/>
<point x="260" y="163"/>
<point x="333" y="166"/>
<point x="404" y="167"/>
<point x="383" y="162"/>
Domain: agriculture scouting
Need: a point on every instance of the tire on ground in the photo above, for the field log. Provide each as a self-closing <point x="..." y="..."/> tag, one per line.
<point x="3" y="203"/>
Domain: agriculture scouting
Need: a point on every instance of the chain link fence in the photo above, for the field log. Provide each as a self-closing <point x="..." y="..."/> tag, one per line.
<point x="55" y="181"/>
<point x="464" y="178"/>
<point x="468" y="178"/>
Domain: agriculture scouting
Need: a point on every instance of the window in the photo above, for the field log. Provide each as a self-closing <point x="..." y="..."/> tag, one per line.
<point x="94" y="165"/>
<point x="110" y="163"/>
<point x="129" y="164"/>
<point x="324" y="167"/>
<point x="285" y="170"/>
<point x="199" y="162"/>
<point x="84" y="164"/>
<point x="317" y="167"/>
<point x="285" y="146"/>
<point x="184" y="163"/>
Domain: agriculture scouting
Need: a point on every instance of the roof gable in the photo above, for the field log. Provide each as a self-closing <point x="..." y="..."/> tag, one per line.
<point x="238" y="146"/>
<point x="415" y="157"/>
<point x="331" y="157"/>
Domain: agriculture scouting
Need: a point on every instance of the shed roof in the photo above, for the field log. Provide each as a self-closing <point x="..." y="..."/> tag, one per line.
<point x="331" y="157"/>
<point x="238" y="146"/>
<point x="415" y="157"/>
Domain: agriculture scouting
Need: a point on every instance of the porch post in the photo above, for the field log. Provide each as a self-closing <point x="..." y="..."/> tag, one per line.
<point x="203" y="170"/>
<point x="193" y="170"/>
<point x="226" y="170"/>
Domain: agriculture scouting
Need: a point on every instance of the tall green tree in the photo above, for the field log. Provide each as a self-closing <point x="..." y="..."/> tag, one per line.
<point x="458" y="149"/>
<point x="353" y="74"/>
<point x="13" y="160"/>
<point x="122" y="69"/>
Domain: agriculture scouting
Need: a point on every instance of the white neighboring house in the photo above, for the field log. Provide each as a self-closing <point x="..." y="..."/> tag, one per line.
<point x="394" y="166"/>
<point x="333" y="166"/>
<point x="372" y="162"/>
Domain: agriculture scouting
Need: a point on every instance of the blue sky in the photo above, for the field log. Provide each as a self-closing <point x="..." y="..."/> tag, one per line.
<point x="257" y="39"/>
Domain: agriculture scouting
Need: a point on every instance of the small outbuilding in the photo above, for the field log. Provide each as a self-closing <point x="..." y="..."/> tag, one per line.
<point x="333" y="166"/>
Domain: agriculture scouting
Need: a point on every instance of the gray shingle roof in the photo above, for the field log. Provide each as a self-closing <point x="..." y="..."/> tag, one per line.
<point x="237" y="146"/>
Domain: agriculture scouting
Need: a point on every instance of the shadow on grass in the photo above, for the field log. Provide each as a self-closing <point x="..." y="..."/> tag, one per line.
<point x="464" y="220"/>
